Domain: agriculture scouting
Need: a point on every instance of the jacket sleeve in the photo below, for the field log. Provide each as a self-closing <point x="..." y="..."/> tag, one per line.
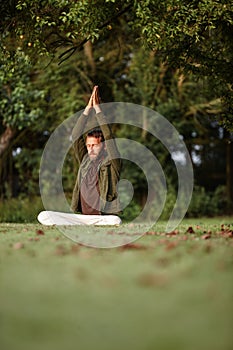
<point x="111" y="146"/>
<point x="78" y="138"/>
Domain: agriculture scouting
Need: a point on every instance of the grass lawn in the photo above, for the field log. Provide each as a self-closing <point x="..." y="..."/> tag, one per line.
<point x="160" y="292"/>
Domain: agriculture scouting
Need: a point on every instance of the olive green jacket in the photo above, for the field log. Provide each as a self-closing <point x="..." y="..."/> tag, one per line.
<point x="108" y="171"/>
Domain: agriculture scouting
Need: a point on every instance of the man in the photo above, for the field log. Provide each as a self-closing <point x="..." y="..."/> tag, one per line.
<point x="95" y="191"/>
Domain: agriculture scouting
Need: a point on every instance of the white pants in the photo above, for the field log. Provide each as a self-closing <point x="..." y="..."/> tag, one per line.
<point x="58" y="218"/>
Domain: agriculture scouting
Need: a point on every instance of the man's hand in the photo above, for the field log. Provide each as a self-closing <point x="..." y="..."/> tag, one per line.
<point x="89" y="105"/>
<point x="93" y="102"/>
<point x="96" y="100"/>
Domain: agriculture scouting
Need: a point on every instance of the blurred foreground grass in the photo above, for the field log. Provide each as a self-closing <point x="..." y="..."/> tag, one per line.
<point x="161" y="292"/>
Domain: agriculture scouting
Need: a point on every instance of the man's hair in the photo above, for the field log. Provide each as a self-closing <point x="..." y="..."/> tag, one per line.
<point x="97" y="133"/>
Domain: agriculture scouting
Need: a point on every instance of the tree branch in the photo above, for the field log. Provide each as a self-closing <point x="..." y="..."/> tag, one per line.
<point x="68" y="53"/>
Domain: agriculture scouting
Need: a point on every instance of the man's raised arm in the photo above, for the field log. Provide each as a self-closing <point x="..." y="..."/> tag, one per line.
<point x="106" y="130"/>
<point x="77" y="132"/>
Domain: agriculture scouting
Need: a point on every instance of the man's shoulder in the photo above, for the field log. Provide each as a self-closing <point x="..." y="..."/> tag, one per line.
<point x="108" y="161"/>
<point x="86" y="160"/>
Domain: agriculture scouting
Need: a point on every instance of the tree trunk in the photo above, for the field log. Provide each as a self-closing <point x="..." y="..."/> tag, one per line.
<point x="229" y="176"/>
<point x="5" y="139"/>
<point x="89" y="54"/>
<point x="144" y="124"/>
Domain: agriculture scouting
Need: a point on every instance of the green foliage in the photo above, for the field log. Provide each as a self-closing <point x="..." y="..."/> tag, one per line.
<point x="169" y="205"/>
<point x="178" y="37"/>
<point x="131" y="211"/>
<point x="195" y="36"/>
<point x="19" y="99"/>
<point x="57" y="23"/>
<point x="22" y="209"/>
<point x="27" y="164"/>
<point x="203" y="204"/>
<point x="206" y="203"/>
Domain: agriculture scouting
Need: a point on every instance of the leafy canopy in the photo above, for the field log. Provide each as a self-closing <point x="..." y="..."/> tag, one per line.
<point x="191" y="35"/>
<point x="183" y="32"/>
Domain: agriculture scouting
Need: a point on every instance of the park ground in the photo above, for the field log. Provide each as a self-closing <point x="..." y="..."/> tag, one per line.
<point x="163" y="291"/>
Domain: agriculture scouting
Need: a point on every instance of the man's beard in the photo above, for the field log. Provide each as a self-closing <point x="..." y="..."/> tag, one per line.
<point x="94" y="156"/>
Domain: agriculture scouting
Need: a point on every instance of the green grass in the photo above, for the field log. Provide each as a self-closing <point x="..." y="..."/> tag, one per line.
<point x="161" y="292"/>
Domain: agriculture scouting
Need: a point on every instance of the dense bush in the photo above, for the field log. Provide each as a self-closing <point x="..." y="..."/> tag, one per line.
<point x="203" y="203"/>
<point x="20" y="209"/>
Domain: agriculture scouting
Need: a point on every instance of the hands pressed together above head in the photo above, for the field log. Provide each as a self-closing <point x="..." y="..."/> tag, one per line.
<point x="94" y="101"/>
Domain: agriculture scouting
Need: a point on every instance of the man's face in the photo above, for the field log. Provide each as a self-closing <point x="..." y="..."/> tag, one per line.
<point x="94" y="146"/>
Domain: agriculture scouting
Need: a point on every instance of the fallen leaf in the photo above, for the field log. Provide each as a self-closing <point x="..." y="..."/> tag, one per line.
<point x="151" y="233"/>
<point x="152" y="280"/>
<point x="133" y="246"/>
<point x="225" y="232"/>
<point x="163" y="241"/>
<point x="208" y="248"/>
<point x="230" y="234"/>
<point x="18" y="245"/>
<point x="190" y="230"/>
<point x="173" y="233"/>
<point x="206" y="236"/>
<point x="3" y="231"/>
<point x="183" y="238"/>
<point x="40" y="232"/>
<point x="74" y="248"/>
<point x="55" y="239"/>
<point x="171" y="245"/>
<point x="60" y="250"/>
